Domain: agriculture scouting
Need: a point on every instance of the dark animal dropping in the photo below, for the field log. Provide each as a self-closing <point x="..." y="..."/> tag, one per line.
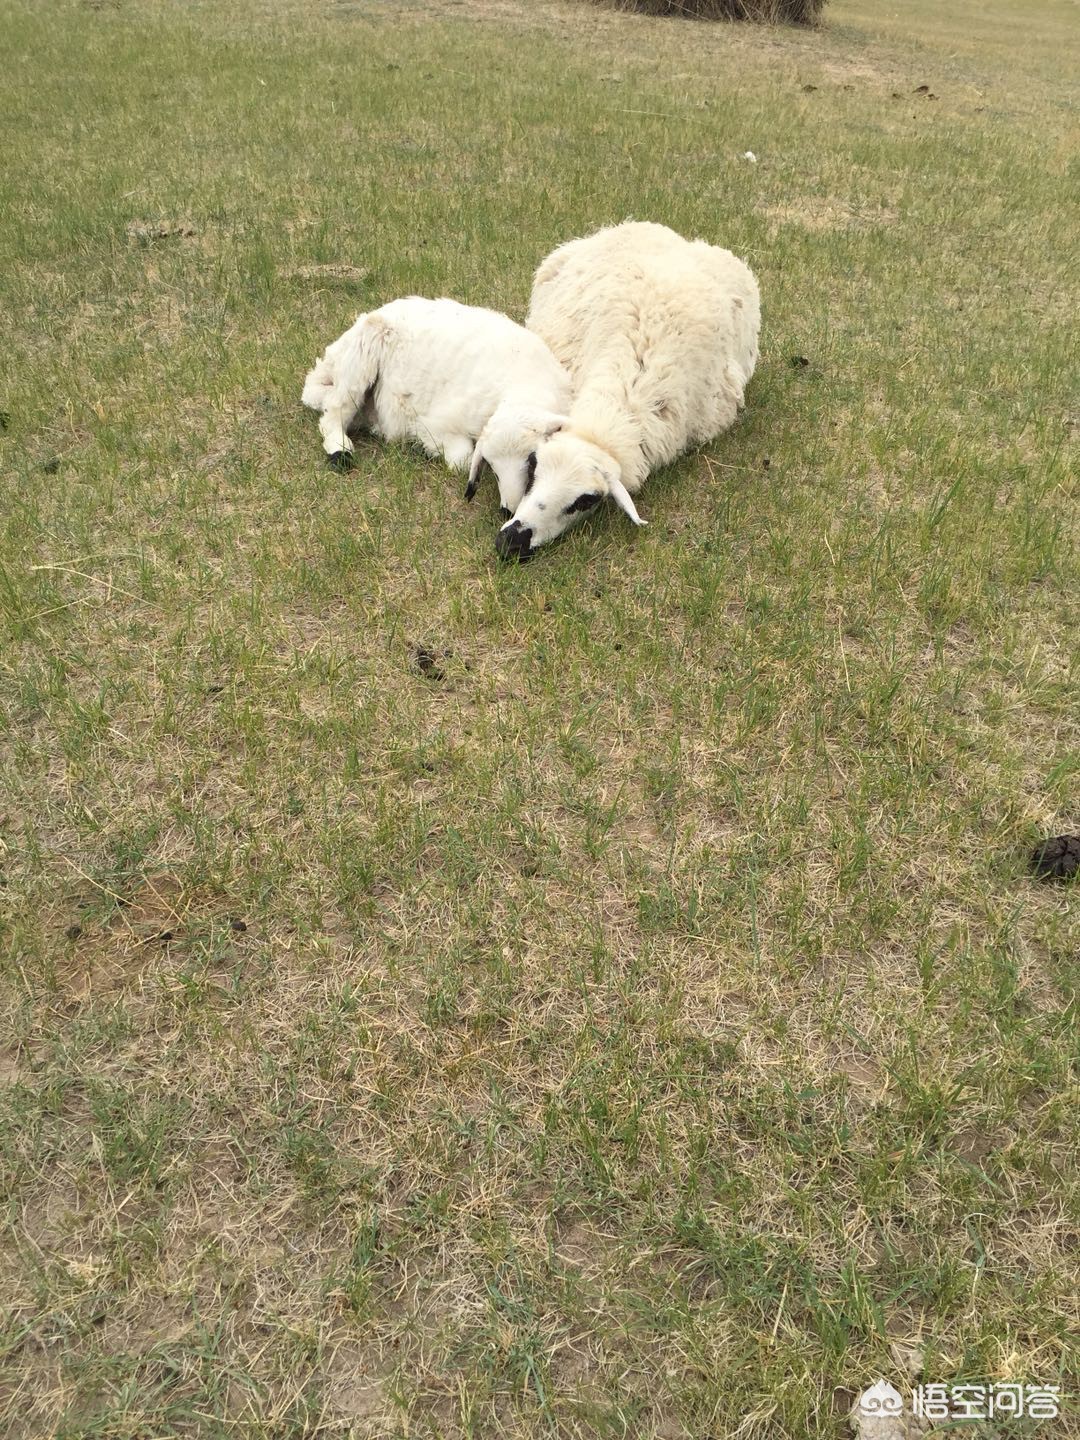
<point x="51" y="466"/>
<point x="427" y="664"/>
<point x="238" y="925"/>
<point x="1056" y="859"/>
<point x="799" y="362"/>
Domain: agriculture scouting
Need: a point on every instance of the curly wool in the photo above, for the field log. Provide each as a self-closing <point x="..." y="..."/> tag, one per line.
<point x="659" y="334"/>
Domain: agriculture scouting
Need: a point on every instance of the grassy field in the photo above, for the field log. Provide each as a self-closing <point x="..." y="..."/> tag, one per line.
<point x="640" y="1024"/>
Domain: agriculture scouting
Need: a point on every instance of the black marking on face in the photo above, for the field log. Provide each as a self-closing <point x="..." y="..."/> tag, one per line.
<point x="583" y="502"/>
<point x="530" y="472"/>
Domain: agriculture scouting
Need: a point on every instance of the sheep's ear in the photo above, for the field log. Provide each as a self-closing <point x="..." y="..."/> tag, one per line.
<point x="619" y="493"/>
<point x="475" y="466"/>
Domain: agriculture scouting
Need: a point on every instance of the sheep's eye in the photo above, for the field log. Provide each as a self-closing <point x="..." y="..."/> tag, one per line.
<point x="583" y="502"/>
<point x="530" y="472"/>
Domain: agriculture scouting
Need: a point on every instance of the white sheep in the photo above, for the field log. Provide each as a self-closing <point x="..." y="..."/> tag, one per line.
<point x="446" y="375"/>
<point x="660" y="336"/>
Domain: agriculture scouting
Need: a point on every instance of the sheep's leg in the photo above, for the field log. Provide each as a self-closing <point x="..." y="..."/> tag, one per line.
<point x="338" y="414"/>
<point x="457" y="451"/>
<point x="356" y="371"/>
<point x="318" y="385"/>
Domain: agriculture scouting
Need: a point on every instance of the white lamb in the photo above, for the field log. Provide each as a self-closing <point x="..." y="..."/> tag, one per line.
<point x="446" y="375"/>
<point x="660" y="336"/>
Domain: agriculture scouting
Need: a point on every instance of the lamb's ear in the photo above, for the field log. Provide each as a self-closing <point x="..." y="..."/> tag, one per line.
<point x="619" y="493"/>
<point x="535" y="426"/>
<point x="475" y="466"/>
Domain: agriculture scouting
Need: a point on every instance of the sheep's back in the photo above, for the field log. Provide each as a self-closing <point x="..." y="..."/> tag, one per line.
<point x="454" y="363"/>
<point x="669" y="325"/>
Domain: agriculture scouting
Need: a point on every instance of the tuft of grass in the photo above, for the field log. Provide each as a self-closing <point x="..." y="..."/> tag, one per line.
<point x="769" y="12"/>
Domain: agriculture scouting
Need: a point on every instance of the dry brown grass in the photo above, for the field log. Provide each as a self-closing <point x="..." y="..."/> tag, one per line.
<point x="767" y="12"/>
<point x="644" y="1026"/>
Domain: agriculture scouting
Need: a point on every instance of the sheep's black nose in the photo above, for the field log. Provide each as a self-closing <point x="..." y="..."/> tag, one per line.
<point x="514" y="541"/>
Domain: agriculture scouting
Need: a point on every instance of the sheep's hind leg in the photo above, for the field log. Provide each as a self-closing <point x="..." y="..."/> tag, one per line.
<point x="318" y="386"/>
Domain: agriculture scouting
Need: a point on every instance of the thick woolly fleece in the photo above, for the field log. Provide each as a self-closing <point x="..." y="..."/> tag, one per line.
<point x="659" y="334"/>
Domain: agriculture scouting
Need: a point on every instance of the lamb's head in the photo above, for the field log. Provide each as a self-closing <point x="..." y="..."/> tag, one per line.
<point x="507" y="445"/>
<point x="566" y="477"/>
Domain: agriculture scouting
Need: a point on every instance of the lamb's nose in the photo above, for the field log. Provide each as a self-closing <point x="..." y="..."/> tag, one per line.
<point x="514" y="541"/>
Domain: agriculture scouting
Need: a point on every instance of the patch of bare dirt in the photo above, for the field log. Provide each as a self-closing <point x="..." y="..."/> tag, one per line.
<point x="827" y="215"/>
<point x="158" y="916"/>
<point x="164" y="318"/>
<point x="147" y="231"/>
<point x="863" y="1074"/>
<point x="581" y="1246"/>
<point x="353" y="274"/>
<point x="355" y="1388"/>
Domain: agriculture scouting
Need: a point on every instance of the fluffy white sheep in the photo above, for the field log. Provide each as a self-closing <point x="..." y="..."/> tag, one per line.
<point x="444" y="374"/>
<point x="660" y="336"/>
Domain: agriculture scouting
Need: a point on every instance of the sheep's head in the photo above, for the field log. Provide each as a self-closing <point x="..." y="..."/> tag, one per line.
<point x="566" y="477"/>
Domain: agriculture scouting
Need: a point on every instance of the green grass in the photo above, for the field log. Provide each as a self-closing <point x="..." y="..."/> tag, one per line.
<point x="646" y="1027"/>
